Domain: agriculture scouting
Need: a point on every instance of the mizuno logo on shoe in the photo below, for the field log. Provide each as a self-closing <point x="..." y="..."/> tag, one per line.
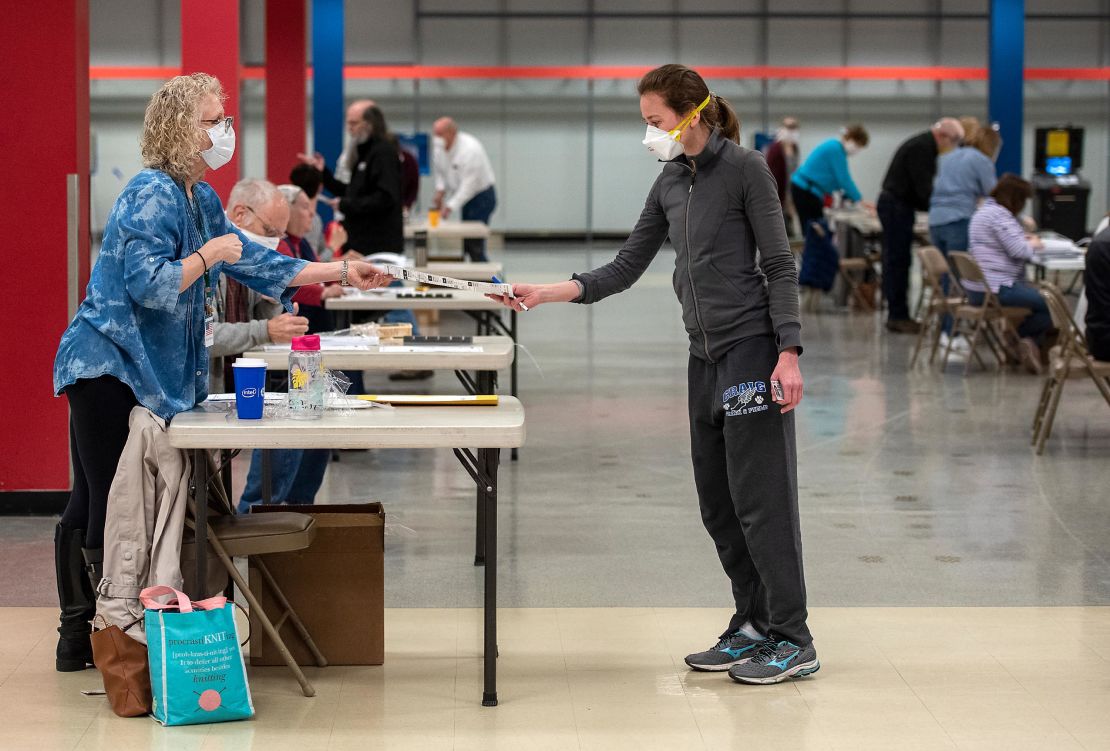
<point x="735" y="652"/>
<point x="782" y="662"/>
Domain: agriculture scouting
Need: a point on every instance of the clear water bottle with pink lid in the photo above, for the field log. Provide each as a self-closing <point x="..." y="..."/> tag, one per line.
<point x="307" y="385"/>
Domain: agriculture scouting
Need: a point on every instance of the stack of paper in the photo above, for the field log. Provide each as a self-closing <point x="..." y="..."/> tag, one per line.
<point x="430" y="400"/>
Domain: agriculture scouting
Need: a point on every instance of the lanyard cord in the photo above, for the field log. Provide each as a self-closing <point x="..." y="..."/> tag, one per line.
<point x="198" y="233"/>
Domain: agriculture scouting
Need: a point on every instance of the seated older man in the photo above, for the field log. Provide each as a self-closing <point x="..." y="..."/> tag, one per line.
<point x="247" y="319"/>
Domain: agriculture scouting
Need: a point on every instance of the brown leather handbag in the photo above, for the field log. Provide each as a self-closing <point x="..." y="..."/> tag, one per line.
<point x="122" y="663"/>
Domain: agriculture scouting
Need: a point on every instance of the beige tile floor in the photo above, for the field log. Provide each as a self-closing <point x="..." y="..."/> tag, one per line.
<point x="613" y="678"/>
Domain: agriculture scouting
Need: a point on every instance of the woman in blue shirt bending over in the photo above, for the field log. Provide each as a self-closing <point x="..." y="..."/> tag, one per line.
<point x="824" y="172"/>
<point x="142" y="332"/>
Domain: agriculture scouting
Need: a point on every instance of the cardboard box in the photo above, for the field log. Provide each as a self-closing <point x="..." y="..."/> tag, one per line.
<point x="336" y="585"/>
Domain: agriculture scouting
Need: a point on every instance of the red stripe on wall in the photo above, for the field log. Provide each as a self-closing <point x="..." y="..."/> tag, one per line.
<point x="856" y="73"/>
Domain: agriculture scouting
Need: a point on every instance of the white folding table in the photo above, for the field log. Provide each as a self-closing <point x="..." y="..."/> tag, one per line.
<point x="486" y="312"/>
<point x="487" y="429"/>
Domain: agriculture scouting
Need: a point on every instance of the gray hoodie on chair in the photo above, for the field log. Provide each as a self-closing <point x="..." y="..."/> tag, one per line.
<point x="734" y="272"/>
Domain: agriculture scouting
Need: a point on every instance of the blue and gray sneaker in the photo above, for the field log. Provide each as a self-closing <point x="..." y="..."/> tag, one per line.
<point x="775" y="661"/>
<point x="732" y="649"/>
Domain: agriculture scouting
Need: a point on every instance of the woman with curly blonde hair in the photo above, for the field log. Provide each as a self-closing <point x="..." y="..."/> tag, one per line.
<point x="141" y="335"/>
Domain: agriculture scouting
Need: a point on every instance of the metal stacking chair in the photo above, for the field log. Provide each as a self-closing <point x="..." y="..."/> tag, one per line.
<point x="1070" y="358"/>
<point x="989" y="321"/>
<point x="231" y="535"/>
<point x="934" y="304"/>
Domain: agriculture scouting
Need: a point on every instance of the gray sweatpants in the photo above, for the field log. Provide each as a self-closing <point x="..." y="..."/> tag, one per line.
<point x="745" y="469"/>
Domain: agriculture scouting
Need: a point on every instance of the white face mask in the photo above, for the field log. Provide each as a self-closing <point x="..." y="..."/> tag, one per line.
<point x="851" y="148"/>
<point x="663" y="144"/>
<point x="223" y="146"/>
<point x="266" y="242"/>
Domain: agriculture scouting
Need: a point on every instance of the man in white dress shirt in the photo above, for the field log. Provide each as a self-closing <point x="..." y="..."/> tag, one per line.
<point x="464" y="180"/>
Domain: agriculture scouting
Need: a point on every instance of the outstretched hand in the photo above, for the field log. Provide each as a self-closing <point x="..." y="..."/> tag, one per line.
<point x="367" y="276"/>
<point x="527" y="296"/>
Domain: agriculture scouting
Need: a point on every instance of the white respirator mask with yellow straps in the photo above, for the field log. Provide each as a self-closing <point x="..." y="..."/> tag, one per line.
<point x="667" y="144"/>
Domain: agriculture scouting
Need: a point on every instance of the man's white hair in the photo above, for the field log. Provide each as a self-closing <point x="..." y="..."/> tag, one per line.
<point x="291" y="192"/>
<point x="253" y="193"/>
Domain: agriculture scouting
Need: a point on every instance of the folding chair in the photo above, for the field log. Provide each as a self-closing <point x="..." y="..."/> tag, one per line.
<point x="990" y="321"/>
<point x="854" y="272"/>
<point x="231" y="536"/>
<point x="1070" y="358"/>
<point x="934" y="304"/>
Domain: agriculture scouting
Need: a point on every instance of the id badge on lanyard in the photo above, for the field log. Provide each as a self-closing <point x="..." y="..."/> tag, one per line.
<point x="210" y="312"/>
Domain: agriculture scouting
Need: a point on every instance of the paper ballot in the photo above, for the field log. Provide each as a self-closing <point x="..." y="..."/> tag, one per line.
<point x="412" y="275"/>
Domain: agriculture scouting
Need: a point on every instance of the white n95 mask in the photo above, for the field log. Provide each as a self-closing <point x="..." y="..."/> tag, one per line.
<point x="223" y="145"/>
<point x="666" y="144"/>
<point x="663" y="144"/>
<point x="271" y="243"/>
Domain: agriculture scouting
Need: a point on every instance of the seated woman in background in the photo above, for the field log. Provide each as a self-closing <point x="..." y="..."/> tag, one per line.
<point x="999" y="244"/>
<point x="309" y="297"/>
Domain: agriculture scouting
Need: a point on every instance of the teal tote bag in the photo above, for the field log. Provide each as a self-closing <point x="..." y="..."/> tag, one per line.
<point x="197" y="673"/>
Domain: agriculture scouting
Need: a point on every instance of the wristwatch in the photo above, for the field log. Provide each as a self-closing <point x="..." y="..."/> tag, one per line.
<point x="343" y="275"/>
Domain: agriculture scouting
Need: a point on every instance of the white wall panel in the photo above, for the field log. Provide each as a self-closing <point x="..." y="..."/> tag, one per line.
<point x="379" y="32"/>
<point x="547" y="41"/>
<point x="718" y="42"/>
<point x="807" y="42"/>
<point x="964" y="43"/>
<point x="633" y="42"/>
<point x="135" y="32"/>
<point x="887" y="43"/>
<point x="460" y="41"/>
<point x="1062" y="44"/>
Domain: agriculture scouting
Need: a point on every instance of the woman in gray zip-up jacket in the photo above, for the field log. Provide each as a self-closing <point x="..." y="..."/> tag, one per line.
<point x="737" y="281"/>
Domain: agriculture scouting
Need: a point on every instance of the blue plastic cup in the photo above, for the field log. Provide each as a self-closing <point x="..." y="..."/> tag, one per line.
<point x="250" y="387"/>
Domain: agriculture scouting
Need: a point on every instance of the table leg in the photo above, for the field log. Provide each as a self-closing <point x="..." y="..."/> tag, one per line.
<point x="480" y="527"/>
<point x="267" y="477"/>
<point x="200" y="532"/>
<point x="512" y="371"/>
<point x="487" y="462"/>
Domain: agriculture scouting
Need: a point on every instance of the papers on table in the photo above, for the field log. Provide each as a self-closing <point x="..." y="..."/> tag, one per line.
<point x="430" y="400"/>
<point x="334" y="343"/>
<point x="412" y="275"/>
<point x="1059" y="246"/>
<point x="429" y="348"/>
<point x="334" y="401"/>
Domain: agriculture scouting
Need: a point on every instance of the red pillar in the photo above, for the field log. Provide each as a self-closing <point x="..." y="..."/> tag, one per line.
<point x="285" y="86"/>
<point x="44" y="50"/>
<point x="210" y="44"/>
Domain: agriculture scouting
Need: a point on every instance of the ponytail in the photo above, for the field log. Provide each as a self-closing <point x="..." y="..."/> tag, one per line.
<point x="725" y="117"/>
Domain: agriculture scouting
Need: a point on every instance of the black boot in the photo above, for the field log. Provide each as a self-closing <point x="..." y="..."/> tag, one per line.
<point x="76" y="599"/>
<point x="94" y="567"/>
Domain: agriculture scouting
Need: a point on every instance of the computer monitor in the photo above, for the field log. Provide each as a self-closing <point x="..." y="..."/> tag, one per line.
<point x="1057" y="165"/>
<point x="1058" y="150"/>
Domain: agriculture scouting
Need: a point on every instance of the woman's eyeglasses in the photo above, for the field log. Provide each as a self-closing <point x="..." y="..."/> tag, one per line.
<point x="227" y="122"/>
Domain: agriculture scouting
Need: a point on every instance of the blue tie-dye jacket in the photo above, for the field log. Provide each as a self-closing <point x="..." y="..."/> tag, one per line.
<point x="134" y="324"/>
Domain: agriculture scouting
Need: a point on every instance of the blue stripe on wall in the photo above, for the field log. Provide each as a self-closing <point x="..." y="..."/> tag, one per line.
<point x="1005" y="88"/>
